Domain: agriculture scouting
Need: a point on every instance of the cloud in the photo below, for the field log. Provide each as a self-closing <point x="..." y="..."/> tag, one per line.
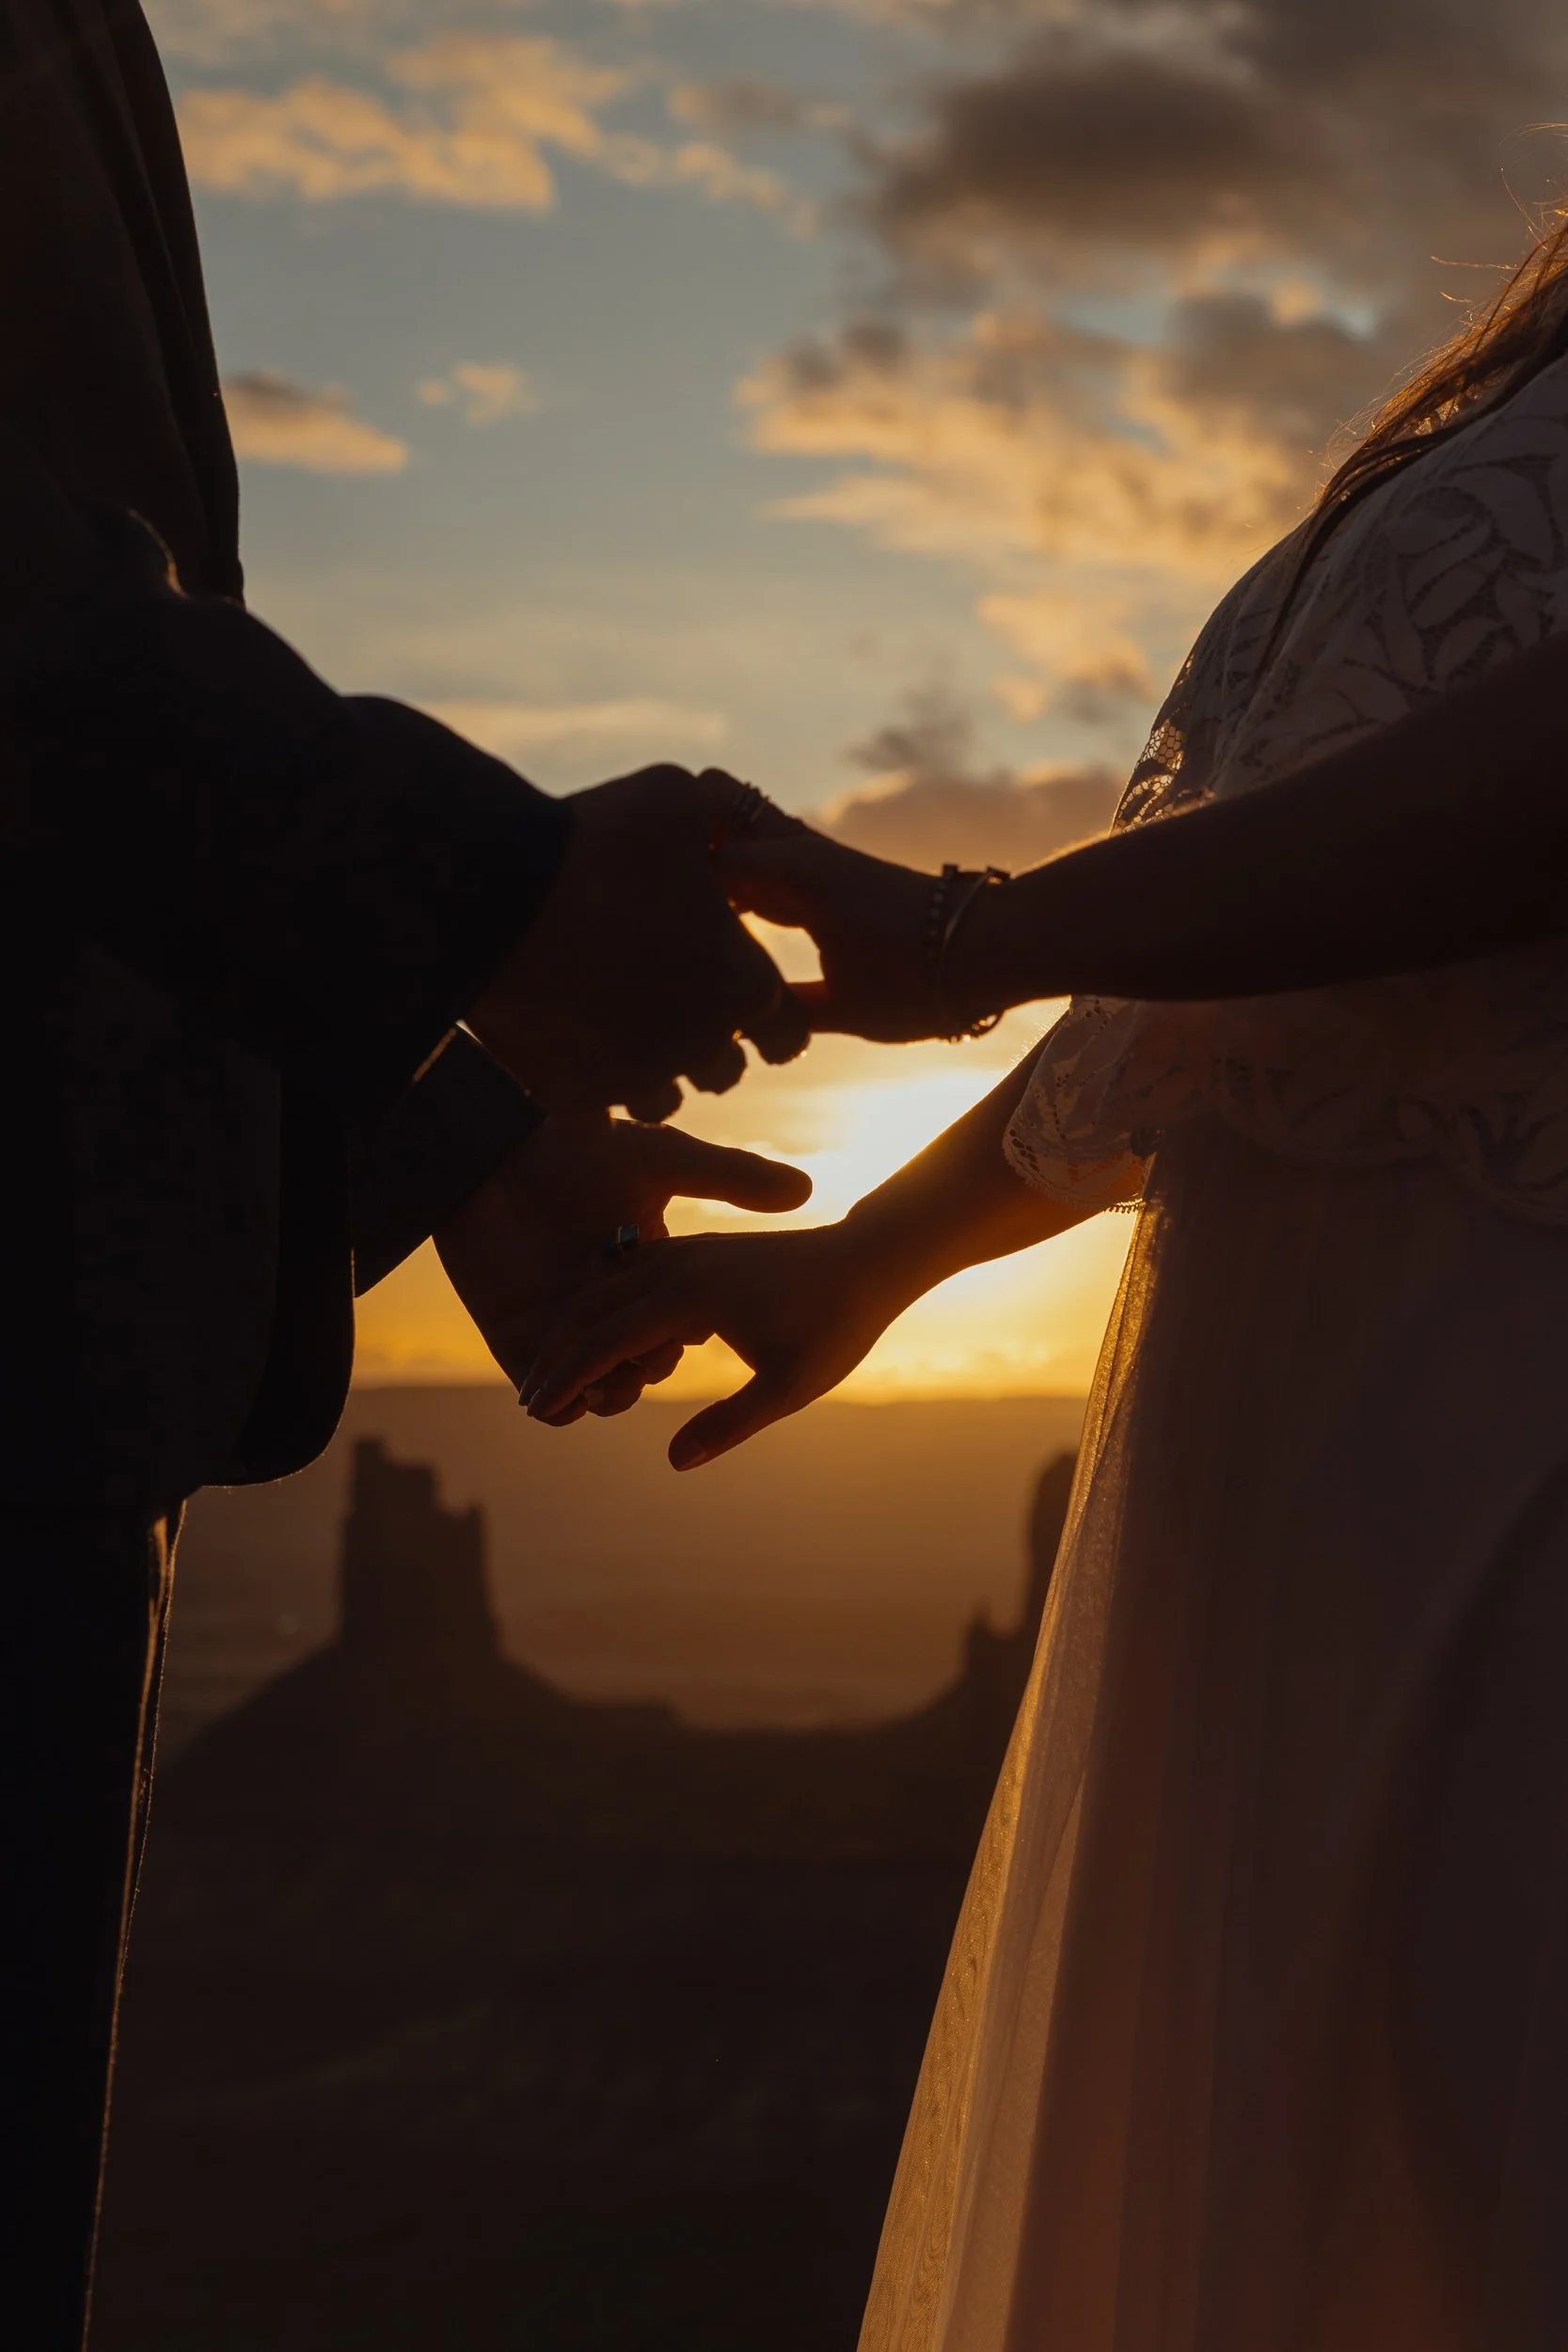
<point x="480" y="114"/>
<point x="1018" y="436"/>
<point x="482" y="391"/>
<point x="515" y="730"/>
<point x="277" y="421"/>
<point x="1362" y="135"/>
<point x="931" y="802"/>
<point x="721" y="177"/>
<point x="1089" y="666"/>
<point x="206" y="30"/>
<point x="740" y="103"/>
<point x="1065" y="153"/>
<point x="1104" y="489"/>
<point x="1147" y="261"/>
<point x="476" y="120"/>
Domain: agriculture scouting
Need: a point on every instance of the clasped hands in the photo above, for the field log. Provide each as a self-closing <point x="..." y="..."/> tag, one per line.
<point x="638" y="972"/>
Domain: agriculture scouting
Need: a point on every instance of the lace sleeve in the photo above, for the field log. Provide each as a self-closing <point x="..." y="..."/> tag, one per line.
<point x="1107" y="1083"/>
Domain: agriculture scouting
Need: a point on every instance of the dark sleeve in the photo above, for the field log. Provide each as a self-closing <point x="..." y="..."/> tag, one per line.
<point x="459" y="1121"/>
<point x="332" y="879"/>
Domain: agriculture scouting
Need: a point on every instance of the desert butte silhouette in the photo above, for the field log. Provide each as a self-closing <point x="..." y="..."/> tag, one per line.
<point x="465" y="2013"/>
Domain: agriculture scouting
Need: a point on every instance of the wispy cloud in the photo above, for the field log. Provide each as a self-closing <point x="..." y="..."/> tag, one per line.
<point x="931" y="799"/>
<point x="277" y="421"/>
<point x="740" y="103"/>
<point x="1087" y="479"/>
<point x="515" y="730"/>
<point x="483" y="392"/>
<point x="471" y="119"/>
<point x="473" y="130"/>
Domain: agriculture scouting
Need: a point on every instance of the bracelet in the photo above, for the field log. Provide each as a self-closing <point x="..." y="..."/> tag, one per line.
<point x="955" y="892"/>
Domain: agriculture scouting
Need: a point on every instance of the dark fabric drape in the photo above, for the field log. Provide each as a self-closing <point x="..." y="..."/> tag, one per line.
<point x="107" y="364"/>
<point x="238" y="914"/>
<point x="256" y="906"/>
<point x="83" y="1649"/>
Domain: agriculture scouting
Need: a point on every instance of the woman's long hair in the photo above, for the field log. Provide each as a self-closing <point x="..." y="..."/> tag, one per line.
<point x="1517" y="334"/>
<point x="1522" y="331"/>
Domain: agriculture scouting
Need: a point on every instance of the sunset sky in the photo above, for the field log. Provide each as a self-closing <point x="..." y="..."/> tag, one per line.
<point x="870" y="395"/>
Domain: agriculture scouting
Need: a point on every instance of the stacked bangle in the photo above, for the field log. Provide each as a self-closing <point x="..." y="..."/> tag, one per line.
<point x="953" y="894"/>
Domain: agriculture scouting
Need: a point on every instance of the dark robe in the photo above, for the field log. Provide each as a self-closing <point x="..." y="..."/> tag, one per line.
<point x="242" y="917"/>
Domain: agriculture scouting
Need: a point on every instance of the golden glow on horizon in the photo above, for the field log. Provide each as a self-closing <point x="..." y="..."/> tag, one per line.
<point x="1026" y="1323"/>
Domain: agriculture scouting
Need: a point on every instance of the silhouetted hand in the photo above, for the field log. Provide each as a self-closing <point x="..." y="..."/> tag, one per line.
<point x="637" y="971"/>
<point x="867" y="918"/>
<point x="801" y="1309"/>
<point x="519" y="1247"/>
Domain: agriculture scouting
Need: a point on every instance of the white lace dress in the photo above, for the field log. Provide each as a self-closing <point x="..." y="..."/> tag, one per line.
<point x="1255" y="2033"/>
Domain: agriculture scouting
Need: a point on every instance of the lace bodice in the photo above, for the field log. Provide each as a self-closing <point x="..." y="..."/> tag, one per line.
<point x="1459" y="562"/>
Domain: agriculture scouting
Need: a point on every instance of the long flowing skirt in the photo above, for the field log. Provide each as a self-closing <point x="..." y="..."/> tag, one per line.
<point x="1255" y="2033"/>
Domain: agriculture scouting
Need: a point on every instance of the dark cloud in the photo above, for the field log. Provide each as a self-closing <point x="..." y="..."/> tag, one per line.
<point x="1363" y="133"/>
<point x="1102" y="694"/>
<point x="934" y="738"/>
<point x="1297" y="381"/>
<point x="1010" y="822"/>
<point x="931" y="803"/>
<point x="1068" y="146"/>
<point x="1036" y="357"/>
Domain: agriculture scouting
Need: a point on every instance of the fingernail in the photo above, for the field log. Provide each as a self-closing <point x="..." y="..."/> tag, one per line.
<point x="685" y="1457"/>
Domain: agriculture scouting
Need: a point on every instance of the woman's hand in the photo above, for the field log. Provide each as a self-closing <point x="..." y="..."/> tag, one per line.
<point x="801" y="1309"/>
<point x="867" y="917"/>
<point x="539" y="1229"/>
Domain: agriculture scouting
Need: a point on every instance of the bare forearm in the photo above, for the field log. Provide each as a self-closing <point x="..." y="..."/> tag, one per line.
<point x="956" y="1204"/>
<point x="1440" y="837"/>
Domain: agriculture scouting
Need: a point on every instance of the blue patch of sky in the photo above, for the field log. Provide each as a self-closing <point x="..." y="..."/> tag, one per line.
<point x="618" y="544"/>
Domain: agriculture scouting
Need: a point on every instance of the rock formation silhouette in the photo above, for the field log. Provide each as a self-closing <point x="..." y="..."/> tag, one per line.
<point x="468" y="2014"/>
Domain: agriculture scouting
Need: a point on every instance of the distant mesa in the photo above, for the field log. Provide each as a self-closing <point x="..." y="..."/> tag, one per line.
<point x="466" y="2012"/>
<point x="413" y="1723"/>
<point x="413" y="1578"/>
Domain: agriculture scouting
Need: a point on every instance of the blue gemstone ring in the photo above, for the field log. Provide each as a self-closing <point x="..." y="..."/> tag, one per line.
<point x="621" y="1243"/>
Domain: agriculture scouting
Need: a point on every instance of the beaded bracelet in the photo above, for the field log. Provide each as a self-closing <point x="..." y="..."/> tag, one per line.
<point x="955" y="892"/>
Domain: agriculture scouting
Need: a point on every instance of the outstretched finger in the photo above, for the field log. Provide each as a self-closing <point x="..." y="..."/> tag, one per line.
<point x="715" y="1171"/>
<point x="719" y="1428"/>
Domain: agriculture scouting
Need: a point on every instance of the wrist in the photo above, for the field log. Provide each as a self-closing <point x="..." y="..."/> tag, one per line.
<point x="973" y="973"/>
<point x="896" y="1253"/>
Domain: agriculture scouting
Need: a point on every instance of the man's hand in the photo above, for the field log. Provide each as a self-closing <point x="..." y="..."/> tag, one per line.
<point x="539" y="1229"/>
<point x="637" y="971"/>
